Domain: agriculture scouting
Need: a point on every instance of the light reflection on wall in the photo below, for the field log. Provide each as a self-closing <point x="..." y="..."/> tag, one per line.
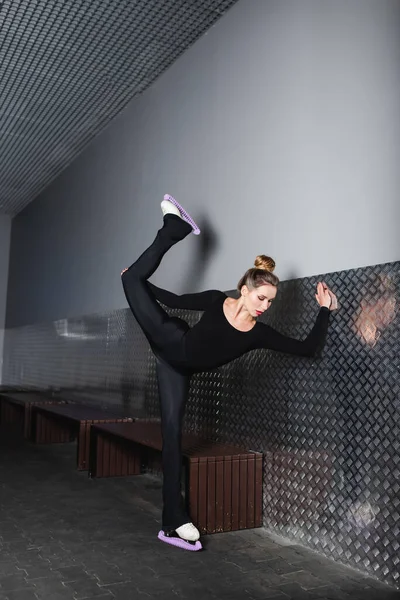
<point x="89" y="328"/>
<point x="377" y="310"/>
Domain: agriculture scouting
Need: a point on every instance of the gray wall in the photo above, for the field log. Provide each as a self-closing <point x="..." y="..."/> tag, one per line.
<point x="278" y="130"/>
<point x="5" y="231"/>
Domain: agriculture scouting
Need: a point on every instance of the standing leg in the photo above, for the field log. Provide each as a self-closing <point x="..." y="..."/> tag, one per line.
<point x="173" y="392"/>
<point x="156" y="324"/>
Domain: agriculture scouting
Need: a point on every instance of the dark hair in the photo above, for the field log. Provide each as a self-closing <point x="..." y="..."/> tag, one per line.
<point x="260" y="274"/>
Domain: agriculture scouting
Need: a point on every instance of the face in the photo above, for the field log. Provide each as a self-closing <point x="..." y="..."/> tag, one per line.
<point x="258" y="300"/>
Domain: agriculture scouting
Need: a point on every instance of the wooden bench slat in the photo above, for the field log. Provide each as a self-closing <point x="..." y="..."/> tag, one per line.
<point x="149" y="434"/>
<point x="79" y="412"/>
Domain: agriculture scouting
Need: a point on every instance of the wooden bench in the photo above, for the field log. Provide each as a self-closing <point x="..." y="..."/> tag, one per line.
<point x="60" y="424"/>
<point x="16" y="408"/>
<point x="223" y="483"/>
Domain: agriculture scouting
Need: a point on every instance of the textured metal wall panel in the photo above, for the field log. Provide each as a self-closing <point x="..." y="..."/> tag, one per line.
<point x="329" y="426"/>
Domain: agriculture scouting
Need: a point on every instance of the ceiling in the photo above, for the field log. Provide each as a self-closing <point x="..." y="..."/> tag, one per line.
<point x="67" y="67"/>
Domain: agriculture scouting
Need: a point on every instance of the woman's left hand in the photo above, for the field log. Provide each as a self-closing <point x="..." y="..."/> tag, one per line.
<point x="325" y="297"/>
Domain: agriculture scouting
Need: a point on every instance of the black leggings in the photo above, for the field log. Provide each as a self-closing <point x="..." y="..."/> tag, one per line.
<point x="165" y="335"/>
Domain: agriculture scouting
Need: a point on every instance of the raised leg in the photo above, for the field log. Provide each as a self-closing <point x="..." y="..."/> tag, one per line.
<point x="159" y="328"/>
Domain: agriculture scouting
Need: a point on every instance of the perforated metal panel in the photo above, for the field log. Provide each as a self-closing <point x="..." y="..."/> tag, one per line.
<point x="329" y="427"/>
<point x="67" y="67"/>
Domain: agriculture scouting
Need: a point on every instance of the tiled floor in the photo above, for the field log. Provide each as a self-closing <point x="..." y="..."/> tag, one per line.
<point x="64" y="537"/>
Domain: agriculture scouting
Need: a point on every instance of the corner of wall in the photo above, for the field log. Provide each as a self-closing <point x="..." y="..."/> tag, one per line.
<point x="5" y="237"/>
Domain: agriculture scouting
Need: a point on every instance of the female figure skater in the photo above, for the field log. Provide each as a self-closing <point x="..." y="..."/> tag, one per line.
<point x="227" y="329"/>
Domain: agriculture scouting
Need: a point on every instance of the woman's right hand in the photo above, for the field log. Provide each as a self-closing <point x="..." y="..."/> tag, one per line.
<point x="325" y="297"/>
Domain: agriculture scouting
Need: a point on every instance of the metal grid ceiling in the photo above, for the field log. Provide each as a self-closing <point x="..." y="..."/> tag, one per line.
<point x="67" y="67"/>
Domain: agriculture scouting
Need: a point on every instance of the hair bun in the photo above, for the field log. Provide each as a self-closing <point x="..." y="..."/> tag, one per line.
<point x="265" y="263"/>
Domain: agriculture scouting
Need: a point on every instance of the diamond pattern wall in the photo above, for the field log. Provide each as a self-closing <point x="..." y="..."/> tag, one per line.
<point x="328" y="427"/>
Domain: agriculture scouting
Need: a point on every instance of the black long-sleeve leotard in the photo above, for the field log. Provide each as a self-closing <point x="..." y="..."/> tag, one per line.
<point x="213" y="341"/>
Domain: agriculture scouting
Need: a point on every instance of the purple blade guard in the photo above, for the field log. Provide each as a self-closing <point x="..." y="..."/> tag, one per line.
<point x="179" y="542"/>
<point x="185" y="215"/>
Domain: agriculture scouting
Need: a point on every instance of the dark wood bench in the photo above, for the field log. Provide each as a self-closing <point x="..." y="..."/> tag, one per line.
<point x="16" y="408"/>
<point x="223" y="483"/>
<point x="59" y="424"/>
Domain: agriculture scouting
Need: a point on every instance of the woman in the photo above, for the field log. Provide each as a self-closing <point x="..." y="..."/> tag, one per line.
<point x="227" y="329"/>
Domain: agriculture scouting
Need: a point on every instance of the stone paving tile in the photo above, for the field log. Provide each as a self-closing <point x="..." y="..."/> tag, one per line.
<point x="72" y="574"/>
<point x="66" y="537"/>
<point x="36" y="572"/>
<point x="14" y="535"/>
<point x="127" y="591"/>
<point x="295" y="592"/>
<point x="305" y="579"/>
<point x="88" y="588"/>
<point x="28" y="594"/>
<point x="7" y="526"/>
<point x="52" y="588"/>
<point x="10" y="583"/>
<point x="264" y="578"/>
<point x="109" y="574"/>
<point x="6" y="556"/>
<point x="18" y="546"/>
<point x="281" y="567"/>
<point x="375" y="594"/>
<point x="8" y="568"/>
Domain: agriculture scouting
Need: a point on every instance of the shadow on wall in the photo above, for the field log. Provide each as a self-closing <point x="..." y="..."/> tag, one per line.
<point x="206" y="246"/>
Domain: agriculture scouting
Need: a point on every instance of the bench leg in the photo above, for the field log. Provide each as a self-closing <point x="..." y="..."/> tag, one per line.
<point x="112" y="458"/>
<point x="83" y="446"/>
<point x="12" y="415"/>
<point x="49" y="431"/>
<point x="28" y="421"/>
<point x="225" y="493"/>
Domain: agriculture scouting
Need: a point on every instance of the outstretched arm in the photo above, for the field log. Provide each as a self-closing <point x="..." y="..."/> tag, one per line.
<point x="273" y="340"/>
<point x="200" y="301"/>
